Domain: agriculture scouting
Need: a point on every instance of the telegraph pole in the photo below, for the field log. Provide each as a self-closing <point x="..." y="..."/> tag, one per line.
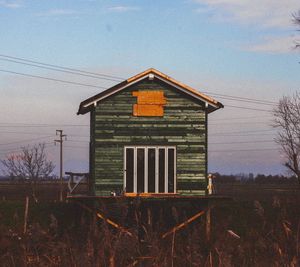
<point x="61" y="139"/>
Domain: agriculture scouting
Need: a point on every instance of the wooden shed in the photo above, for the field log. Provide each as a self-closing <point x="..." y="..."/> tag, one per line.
<point x="148" y="135"/>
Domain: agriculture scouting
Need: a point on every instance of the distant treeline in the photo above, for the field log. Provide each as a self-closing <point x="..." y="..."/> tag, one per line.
<point x="217" y="178"/>
<point x="21" y="179"/>
<point x="250" y="178"/>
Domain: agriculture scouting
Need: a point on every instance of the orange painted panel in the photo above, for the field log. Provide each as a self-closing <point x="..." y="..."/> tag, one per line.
<point x="150" y="97"/>
<point x="149" y="103"/>
<point x="148" y="110"/>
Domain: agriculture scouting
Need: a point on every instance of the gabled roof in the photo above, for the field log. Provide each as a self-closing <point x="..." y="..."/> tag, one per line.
<point x="86" y="105"/>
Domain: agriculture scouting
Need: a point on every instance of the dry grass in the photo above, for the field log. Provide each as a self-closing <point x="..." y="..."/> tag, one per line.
<point x="243" y="234"/>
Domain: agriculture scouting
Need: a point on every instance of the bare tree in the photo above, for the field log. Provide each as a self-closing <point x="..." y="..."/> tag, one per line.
<point x="296" y="20"/>
<point x="287" y="120"/>
<point x="296" y="17"/>
<point x="31" y="164"/>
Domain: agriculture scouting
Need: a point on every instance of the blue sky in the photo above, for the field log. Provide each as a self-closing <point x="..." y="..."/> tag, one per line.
<point x="231" y="47"/>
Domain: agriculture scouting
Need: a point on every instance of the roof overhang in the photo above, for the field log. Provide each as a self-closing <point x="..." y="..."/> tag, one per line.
<point x="210" y="103"/>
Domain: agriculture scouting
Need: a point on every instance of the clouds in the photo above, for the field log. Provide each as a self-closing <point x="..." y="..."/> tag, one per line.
<point x="122" y="9"/>
<point x="266" y="13"/>
<point x="72" y="12"/>
<point x="57" y="12"/>
<point x="10" y="4"/>
<point x="275" y="45"/>
<point x="266" y="17"/>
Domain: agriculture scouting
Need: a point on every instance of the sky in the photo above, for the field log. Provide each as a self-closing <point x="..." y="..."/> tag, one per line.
<point x="221" y="47"/>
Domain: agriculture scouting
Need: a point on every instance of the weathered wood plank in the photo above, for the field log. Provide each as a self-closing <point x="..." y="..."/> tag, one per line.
<point x="183" y="125"/>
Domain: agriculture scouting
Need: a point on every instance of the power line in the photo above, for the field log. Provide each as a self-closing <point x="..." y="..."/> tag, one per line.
<point x="78" y="71"/>
<point x="63" y="68"/>
<point x="83" y="125"/>
<point x="243" y="150"/>
<point x="210" y="151"/>
<point x="78" y="135"/>
<point x="113" y="77"/>
<point x="241" y="98"/>
<point x="83" y="147"/>
<point x="31" y="133"/>
<point x="211" y="135"/>
<point x="239" y="122"/>
<point x="110" y="77"/>
<point x="21" y="124"/>
<point x="27" y="140"/>
<point x="241" y="118"/>
<point x="42" y="125"/>
<point x="9" y="150"/>
<point x="17" y="149"/>
<point x="246" y="101"/>
<point x="52" y="79"/>
<point x="101" y="87"/>
<point x="242" y="142"/>
<point x="242" y="135"/>
<point x="14" y="150"/>
<point x="77" y="141"/>
<point x="217" y="143"/>
<point x="248" y="108"/>
<point x="246" y="132"/>
<point x="40" y="133"/>
<point x="230" y="133"/>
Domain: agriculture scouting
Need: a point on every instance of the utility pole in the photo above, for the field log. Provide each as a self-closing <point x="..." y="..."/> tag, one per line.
<point x="60" y="141"/>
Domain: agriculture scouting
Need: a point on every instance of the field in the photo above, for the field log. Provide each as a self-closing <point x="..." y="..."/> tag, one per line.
<point x="259" y="227"/>
<point x="46" y="191"/>
<point x="49" y="191"/>
<point x="255" y="191"/>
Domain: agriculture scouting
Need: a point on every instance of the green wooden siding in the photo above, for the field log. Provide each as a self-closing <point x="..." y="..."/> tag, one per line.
<point x="183" y="125"/>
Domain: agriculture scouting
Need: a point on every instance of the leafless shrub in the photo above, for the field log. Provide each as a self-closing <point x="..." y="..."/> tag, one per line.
<point x="287" y="121"/>
<point x="31" y="163"/>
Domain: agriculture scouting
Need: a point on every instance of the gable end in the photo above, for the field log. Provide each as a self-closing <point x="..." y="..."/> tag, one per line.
<point x="151" y="74"/>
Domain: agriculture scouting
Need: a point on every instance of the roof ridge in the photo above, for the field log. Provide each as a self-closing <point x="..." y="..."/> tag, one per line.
<point x="181" y="86"/>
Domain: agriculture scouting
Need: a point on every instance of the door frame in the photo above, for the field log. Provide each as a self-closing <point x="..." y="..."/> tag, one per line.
<point x="166" y="148"/>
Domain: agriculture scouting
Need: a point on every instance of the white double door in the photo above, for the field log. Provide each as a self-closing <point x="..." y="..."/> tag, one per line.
<point x="150" y="169"/>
